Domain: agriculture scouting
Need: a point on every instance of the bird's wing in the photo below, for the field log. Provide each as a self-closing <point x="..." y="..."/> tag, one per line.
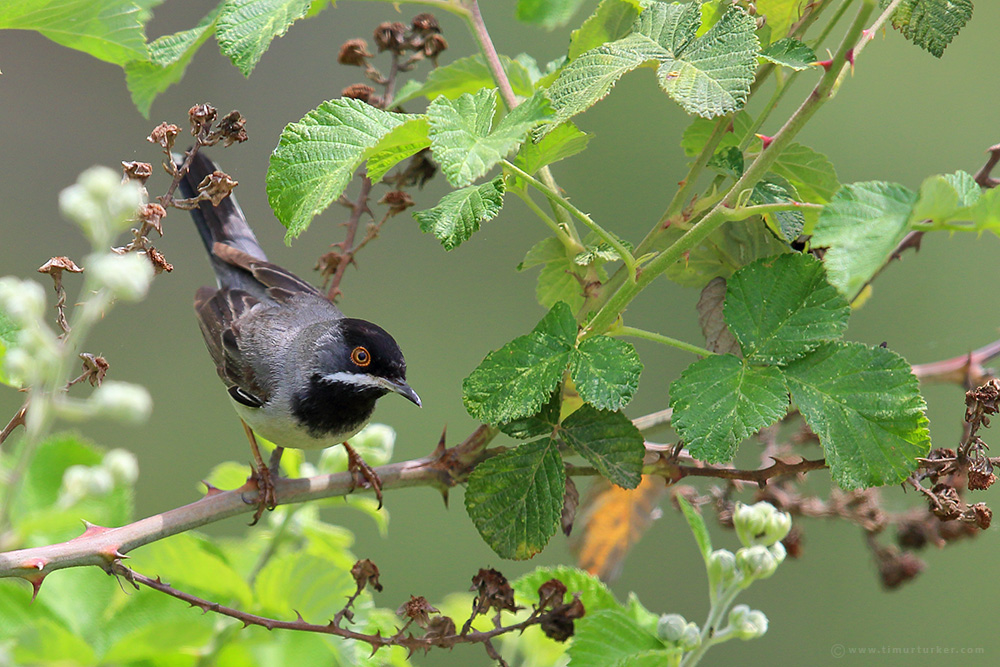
<point x="219" y="313"/>
<point x="278" y="283"/>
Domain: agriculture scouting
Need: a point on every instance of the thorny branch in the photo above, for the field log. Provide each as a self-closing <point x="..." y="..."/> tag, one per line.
<point x="552" y="613"/>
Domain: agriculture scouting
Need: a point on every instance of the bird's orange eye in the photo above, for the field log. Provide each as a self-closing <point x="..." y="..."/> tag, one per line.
<point x="360" y="356"/>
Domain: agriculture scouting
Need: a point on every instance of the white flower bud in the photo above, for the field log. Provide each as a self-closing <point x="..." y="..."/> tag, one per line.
<point x="760" y="524"/>
<point x="753" y="625"/>
<point x="126" y="276"/>
<point x="100" y="203"/>
<point x="100" y="482"/>
<point x="721" y="568"/>
<point x="75" y="484"/>
<point x="738" y="614"/>
<point x="122" y="465"/>
<point x="22" y="300"/>
<point x="756" y="562"/>
<point x="777" y="527"/>
<point x="691" y="639"/>
<point x="123" y="401"/>
<point x="670" y="627"/>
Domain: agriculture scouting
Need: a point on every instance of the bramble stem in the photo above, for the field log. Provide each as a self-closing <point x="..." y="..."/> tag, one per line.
<point x="660" y="338"/>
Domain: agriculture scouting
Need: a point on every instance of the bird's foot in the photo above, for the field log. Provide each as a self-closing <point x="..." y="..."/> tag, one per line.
<point x="266" y="496"/>
<point x="357" y="465"/>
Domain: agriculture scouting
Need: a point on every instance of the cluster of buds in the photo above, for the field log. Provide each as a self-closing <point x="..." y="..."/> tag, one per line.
<point x="421" y="40"/>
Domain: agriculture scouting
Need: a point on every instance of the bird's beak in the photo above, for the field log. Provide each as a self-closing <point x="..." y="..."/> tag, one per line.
<point x="400" y="387"/>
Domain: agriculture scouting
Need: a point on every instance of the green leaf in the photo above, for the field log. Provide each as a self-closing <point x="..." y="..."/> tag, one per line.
<point x="516" y="380"/>
<point x="152" y="641"/>
<point x="547" y="13"/>
<point x="726" y="250"/>
<point x="462" y="138"/>
<point x="696" y="134"/>
<point x="313" y="586"/>
<point x="708" y="75"/>
<point x="931" y="24"/>
<point x="721" y="400"/>
<point x="780" y="15"/>
<point x="861" y="226"/>
<point x="782" y="307"/>
<point x="728" y="162"/>
<point x="542" y="423"/>
<point x="811" y="172"/>
<point x="169" y="57"/>
<point x="465" y="75"/>
<point x="398" y="144"/>
<point x="515" y="498"/>
<point x="593" y="592"/>
<point x="609" y="441"/>
<point x="604" y="637"/>
<point x="946" y="198"/>
<point x="790" y="53"/>
<point x="190" y="561"/>
<point x="316" y="158"/>
<point x="44" y="477"/>
<point x="112" y="30"/>
<point x="865" y="406"/>
<point x="698" y="527"/>
<point x="559" y="281"/>
<point x="606" y="372"/>
<point x="562" y="142"/>
<point x="558" y="323"/>
<point x="548" y="249"/>
<point x="458" y="215"/>
<point x="773" y="189"/>
<point x="47" y="643"/>
<point x="246" y="27"/>
<point x="611" y="20"/>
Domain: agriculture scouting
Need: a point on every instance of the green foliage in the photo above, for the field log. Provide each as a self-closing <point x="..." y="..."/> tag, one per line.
<point x="610" y="637"/>
<point x="708" y="75"/>
<point x="609" y="441"/>
<point x="466" y="75"/>
<point x="316" y="158"/>
<point x="865" y="405"/>
<point x="8" y="336"/>
<point x="463" y="138"/>
<point x="246" y="27"/>
<point x="515" y="498"/>
<point x="562" y="142"/>
<point x="772" y="189"/>
<point x="780" y="15"/>
<point x="547" y="13"/>
<point x="169" y="57"/>
<point x="516" y="380"/>
<point x="790" y="53"/>
<point x="698" y="528"/>
<point x="783" y="307"/>
<point x="861" y="226"/>
<point x="399" y="143"/>
<point x="721" y="400"/>
<point x="810" y="172"/>
<point x="112" y="31"/>
<point x="611" y="20"/>
<point x="458" y="215"/>
<point x="931" y="24"/>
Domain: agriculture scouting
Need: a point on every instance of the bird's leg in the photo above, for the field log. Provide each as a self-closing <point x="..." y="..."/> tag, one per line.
<point x="356" y="464"/>
<point x="262" y="476"/>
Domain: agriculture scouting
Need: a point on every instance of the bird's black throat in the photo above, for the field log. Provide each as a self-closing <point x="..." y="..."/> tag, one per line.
<point x="325" y="408"/>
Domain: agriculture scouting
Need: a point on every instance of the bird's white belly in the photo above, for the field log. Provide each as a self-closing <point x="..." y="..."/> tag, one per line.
<point x="283" y="430"/>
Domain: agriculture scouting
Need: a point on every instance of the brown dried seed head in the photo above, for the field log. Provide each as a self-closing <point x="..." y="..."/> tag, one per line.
<point x="233" y="128"/>
<point x="358" y="91"/>
<point x="159" y="262"/>
<point x="136" y="171"/>
<point x="58" y="265"/>
<point x="397" y="201"/>
<point x="981" y="515"/>
<point x="558" y="624"/>
<point x="366" y="572"/>
<point x="390" y="37"/>
<point x="896" y="568"/>
<point x="439" y="626"/>
<point x="949" y="502"/>
<point x="551" y="594"/>
<point x="418" y="609"/>
<point x="493" y="590"/>
<point x="164" y="135"/>
<point x="425" y="24"/>
<point x="434" y="45"/>
<point x="981" y="475"/>
<point x="912" y="534"/>
<point x="153" y="214"/>
<point x="217" y="186"/>
<point x="201" y="116"/>
<point x="354" y="52"/>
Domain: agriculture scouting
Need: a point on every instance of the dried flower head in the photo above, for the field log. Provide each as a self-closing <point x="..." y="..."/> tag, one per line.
<point x="201" y="117"/>
<point x="433" y="46"/>
<point x="397" y="201"/>
<point x="136" y="171"/>
<point x="418" y="609"/>
<point x="233" y="129"/>
<point x="425" y="24"/>
<point x="354" y="52"/>
<point x="492" y="591"/>
<point x="159" y="262"/>
<point x="57" y="265"/>
<point x="360" y="91"/>
<point x="366" y="572"/>
<point x="217" y="186"/>
<point x="390" y="37"/>
<point x="164" y="135"/>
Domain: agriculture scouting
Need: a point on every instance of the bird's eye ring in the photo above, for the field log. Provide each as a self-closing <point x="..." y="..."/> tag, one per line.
<point x="360" y="356"/>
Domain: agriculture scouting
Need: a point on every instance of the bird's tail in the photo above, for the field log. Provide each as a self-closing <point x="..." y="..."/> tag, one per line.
<point x="224" y="223"/>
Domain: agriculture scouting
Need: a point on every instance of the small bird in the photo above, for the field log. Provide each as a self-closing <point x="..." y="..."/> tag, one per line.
<point x="298" y="372"/>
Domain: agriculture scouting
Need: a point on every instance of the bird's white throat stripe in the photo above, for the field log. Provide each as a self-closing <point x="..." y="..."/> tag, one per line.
<point x="356" y="379"/>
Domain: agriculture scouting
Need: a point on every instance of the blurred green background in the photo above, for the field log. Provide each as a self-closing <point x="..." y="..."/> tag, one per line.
<point x="904" y="115"/>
